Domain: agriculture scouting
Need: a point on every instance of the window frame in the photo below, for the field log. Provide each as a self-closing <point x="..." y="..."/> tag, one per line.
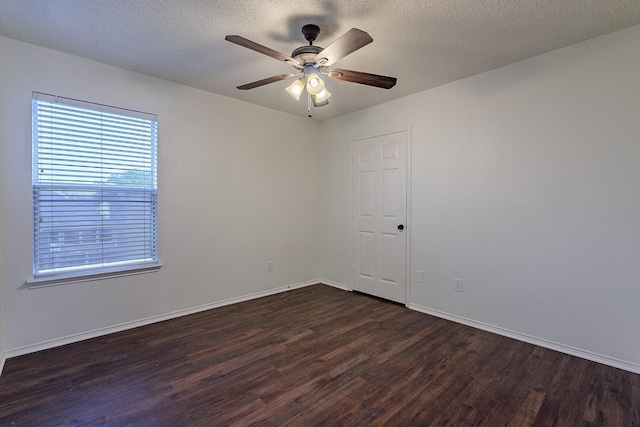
<point x="145" y="191"/>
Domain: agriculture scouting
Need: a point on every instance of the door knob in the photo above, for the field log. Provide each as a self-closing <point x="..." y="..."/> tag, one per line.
<point x="401" y="227"/>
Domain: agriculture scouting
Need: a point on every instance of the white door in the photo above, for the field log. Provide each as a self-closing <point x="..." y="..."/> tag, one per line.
<point x="378" y="215"/>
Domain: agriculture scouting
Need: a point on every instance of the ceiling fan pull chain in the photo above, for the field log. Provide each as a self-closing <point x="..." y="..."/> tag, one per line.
<point x="309" y="104"/>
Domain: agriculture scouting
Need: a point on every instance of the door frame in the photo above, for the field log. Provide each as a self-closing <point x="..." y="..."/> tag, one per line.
<point x="408" y="277"/>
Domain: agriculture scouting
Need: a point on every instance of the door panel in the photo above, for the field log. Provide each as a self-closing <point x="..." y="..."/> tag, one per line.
<point x="390" y="193"/>
<point x="366" y="194"/>
<point x="366" y="254"/>
<point x="379" y="206"/>
<point x="389" y="258"/>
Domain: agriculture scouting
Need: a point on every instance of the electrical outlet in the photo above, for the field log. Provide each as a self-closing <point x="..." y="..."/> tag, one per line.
<point x="269" y="265"/>
<point x="458" y="285"/>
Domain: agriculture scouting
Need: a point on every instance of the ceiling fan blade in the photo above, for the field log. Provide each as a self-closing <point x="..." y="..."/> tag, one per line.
<point x="267" y="81"/>
<point x="239" y="40"/>
<point x="376" y="80"/>
<point x="349" y="42"/>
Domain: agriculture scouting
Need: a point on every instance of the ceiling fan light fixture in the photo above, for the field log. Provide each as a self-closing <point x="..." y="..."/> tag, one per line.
<point x="317" y="103"/>
<point x="296" y="88"/>
<point x="315" y="85"/>
<point x="322" y="96"/>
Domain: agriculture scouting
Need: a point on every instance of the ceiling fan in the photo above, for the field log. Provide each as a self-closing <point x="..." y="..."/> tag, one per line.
<point x="311" y="61"/>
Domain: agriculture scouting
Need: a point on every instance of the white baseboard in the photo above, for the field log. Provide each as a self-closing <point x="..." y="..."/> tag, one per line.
<point x="147" y="321"/>
<point x="335" y="285"/>
<point x="606" y="360"/>
<point x="584" y="354"/>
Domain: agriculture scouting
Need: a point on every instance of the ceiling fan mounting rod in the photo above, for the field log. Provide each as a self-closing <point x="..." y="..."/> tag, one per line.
<point x="310" y="32"/>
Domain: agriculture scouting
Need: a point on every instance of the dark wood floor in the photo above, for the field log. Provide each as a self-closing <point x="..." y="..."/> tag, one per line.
<point x="312" y="356"/>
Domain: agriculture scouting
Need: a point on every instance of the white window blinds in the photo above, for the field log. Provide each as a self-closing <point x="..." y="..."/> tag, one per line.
<point x="94" y="187"/>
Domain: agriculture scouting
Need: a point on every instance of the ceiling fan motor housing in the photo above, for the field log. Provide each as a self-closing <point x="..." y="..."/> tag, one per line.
<point x="306" y="54"/>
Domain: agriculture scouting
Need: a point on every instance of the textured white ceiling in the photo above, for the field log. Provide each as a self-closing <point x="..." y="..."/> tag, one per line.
<point x="424" y="43"/>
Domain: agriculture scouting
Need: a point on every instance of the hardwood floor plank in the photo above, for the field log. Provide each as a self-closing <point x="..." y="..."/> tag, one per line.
<point x="528" y="410"/>
<point x="312" y="356"/>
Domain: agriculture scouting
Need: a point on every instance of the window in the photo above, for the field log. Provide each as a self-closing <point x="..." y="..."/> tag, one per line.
<point x="94" y="188"/>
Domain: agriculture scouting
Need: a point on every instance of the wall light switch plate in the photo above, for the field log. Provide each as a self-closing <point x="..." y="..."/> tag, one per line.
<point x="419" y="276"/>
<point x="458" y="285"/>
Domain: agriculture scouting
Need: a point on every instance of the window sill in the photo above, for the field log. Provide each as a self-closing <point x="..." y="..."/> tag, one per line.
<point x="56" y="280"/>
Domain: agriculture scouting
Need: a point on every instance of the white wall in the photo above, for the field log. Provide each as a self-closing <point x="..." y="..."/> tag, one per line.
<point x="237" y="188"/>
<point x="525" y="184"/>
